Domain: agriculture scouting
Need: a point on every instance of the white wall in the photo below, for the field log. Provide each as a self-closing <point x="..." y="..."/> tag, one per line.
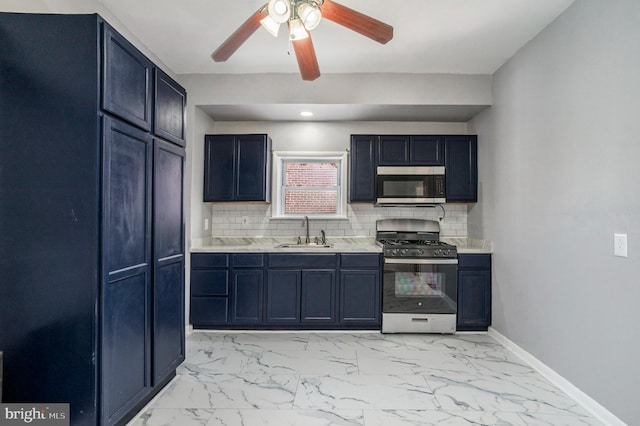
<point x="559" y="175"/>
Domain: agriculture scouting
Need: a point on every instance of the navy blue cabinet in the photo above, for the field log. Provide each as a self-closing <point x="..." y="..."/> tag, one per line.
<point x="237" y="168"/>
<point x="126" y="83"/>
<point x="362" y="173"/>
<point x="301" y="291"/>
<point x="360" y="290"/>
<point x="92" y="221"/>
<point x="461" y="155"/>
<point x="418" y="150"/>
<point x="127" y="268"/>
<point x="246" y="296"/>
<point x="168" y="259"/>
<point x="169" y="108"/>
<point x="474" y="292"/>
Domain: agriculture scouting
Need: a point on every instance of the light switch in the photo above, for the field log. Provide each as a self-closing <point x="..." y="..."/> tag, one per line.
<point x="620" y="245"/>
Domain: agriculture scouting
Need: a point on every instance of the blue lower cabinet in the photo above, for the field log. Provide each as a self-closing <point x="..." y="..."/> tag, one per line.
<point x="287" y="291"/>
<point x="246" y="296"/>
<point x="283" y="297"/>
<point x="318" y="304"/>
<point x="474" y="292"/>
<point x="360" y="297"/>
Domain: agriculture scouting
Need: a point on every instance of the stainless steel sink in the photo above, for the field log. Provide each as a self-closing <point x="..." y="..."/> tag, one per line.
<point x="303" y="245"/>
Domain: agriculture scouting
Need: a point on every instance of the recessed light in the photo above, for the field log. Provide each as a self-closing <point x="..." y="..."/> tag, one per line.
<point x="306" y="114"/>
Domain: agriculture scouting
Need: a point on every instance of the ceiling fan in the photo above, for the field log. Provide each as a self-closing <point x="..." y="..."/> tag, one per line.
<point x="302" y="16"/>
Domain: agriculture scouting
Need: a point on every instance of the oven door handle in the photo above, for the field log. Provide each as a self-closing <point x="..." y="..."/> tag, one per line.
<point x="422" y="261"/>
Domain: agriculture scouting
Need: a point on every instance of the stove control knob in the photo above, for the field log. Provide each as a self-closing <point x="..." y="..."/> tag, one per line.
<point x="437" y="252"/>
<point x="446" y="252"/>
<point x="403" y="252"/>
<point x="420" y="252"/>
<point x="394" y="251"/>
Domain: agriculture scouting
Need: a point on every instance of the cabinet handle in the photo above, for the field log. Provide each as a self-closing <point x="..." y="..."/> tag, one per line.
<point x="420" y="319"/>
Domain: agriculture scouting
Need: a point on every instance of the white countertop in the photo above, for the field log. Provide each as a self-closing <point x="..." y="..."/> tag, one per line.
<point x="339" y="245"/>
<point x="469" y="245"/>
<point x="269" y="244"/>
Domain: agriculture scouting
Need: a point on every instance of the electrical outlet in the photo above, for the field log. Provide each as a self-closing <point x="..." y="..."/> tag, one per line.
<point x="245" y="221"/>
<point x="620" y="245"/>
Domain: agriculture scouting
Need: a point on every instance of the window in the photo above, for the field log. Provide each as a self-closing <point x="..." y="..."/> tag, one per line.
<point x="310" y="184"/>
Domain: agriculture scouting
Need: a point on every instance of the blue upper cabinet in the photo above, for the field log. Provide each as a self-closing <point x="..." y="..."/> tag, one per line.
<point x="461" y="154"/>
<point x="237" y="168"/>
<point x="169" y="109"/>
<point x="427" y="150"/>
<point x="393" y="150"/>
<point x="419" y="150"/>
<point x="126" y="83"/>
<point x="362" y="173"/>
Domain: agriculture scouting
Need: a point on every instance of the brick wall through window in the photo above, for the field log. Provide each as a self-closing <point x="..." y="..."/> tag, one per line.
<point x="310" y="188"/>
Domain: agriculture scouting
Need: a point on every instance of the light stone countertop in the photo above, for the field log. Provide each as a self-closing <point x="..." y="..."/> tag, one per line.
<point x="339" y="245"/>
<point x="268" y="244"/>
<point x="470" y="245"/>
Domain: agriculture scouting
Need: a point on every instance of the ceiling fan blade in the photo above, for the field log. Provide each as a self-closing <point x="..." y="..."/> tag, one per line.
<point x="239" y="36"/>
<point x="356" y="21"/>
<point x="307" y="61"/>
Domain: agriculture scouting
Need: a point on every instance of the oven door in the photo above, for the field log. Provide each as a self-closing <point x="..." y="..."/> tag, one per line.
<point x="419" y="285"/>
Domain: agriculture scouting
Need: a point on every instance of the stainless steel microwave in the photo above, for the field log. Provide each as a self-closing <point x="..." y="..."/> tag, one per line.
<point x="406" y="185"/>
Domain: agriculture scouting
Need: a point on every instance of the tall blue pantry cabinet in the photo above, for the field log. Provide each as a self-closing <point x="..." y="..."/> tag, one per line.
<point x="91" y="218"/>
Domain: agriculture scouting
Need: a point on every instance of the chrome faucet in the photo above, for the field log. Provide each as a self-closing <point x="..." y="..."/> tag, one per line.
<point x="323" y="237"/>
<point x="307" y="240"/>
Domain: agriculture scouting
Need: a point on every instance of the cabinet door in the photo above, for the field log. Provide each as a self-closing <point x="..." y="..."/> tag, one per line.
<point x="169" y="109"/>
<point x="461" y="158"/>
<point x="126" y="251"/>
<point x="427" y="150"/>
<point x="126" y="84"/>
<point x="246" y="296"/>
<point x="219" y="167"/>
<point x="360" y="296"/>
<point x="362" y="174"/>
<point x="168" y="254"/>
<point x="318" y="297"/>
<point x="474" y="299"/>
<point x="393" y="151"/>
<point x="252" y="161"/>
<point x="283" y="296"/>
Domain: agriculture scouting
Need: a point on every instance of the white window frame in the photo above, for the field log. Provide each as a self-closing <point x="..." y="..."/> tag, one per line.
<point x="280" y="157"/>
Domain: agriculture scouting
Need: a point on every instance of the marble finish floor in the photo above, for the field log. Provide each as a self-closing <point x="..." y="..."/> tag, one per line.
<point x="371" y="379"/>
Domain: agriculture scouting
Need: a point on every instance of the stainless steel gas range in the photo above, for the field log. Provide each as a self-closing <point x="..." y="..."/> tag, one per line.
<point x="420" y="284"/>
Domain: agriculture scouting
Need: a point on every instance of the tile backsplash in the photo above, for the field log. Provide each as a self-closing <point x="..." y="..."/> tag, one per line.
<point x="254" y="220"/>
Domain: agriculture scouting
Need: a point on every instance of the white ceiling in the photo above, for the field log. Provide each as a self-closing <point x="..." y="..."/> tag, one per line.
<point x="430" y="36"/>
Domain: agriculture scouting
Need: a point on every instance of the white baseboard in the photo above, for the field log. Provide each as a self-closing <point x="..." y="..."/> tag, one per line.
<point x="588" y="403"/>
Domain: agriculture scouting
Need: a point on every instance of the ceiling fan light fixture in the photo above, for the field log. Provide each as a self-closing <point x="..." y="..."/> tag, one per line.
<point x="297" y="31"/>
<point x="310" y="15"/>
<point x="279" y="10"/>
<point x="270" y="25"/>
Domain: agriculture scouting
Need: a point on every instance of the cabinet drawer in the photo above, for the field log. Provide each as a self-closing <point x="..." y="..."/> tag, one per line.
<point x="482" y="261"/>
<point x="209" y="260"/>
<point x="209" y="310"/>
<point x="247" y="260"/>
<point x="209" y="282"/>
<point x="307" y="260"/>
<point x="360" y="260"/>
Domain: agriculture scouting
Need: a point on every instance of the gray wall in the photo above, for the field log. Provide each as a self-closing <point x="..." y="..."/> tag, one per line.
<point x="559" y="175"/>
